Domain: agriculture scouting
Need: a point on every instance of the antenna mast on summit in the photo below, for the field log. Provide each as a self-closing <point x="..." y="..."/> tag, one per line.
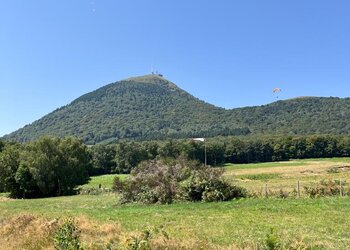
<point x="155" y="71"/>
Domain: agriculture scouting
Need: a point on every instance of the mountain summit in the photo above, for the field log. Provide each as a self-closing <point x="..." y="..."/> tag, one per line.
<point x="152" y="107"/>
<point x="144" y="107"/>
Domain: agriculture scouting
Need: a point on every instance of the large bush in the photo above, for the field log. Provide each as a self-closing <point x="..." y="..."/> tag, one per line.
<point x="47" y="167"/>
<point x="166" y="181"/>
<point x="207" y="184"/>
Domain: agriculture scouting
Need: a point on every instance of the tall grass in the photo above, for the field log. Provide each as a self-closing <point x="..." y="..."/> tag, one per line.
<point x="321" y="221"/>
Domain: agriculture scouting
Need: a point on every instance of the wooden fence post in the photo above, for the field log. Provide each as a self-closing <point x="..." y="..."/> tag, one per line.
<point x="266" y="194"/>
<point x="341" y="188"/>
<point x="298" y="187"/>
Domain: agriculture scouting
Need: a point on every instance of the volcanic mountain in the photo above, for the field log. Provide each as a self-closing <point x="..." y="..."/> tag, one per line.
<point x="151" y="107"/>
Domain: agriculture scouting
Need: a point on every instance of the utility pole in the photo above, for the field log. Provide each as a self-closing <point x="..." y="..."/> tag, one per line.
<point x="205" y="154"/>
<point x="205" y="149"/>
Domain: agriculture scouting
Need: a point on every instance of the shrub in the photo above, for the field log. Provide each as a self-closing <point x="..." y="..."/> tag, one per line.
<point x="272" y="240"/>
<point x="324" y="188"/>
<point x="165" y="181"/>
<point x="282" y="194"/>
<point x="265" y="176"/>
<point x="152" y="182"/>
<point x="67" y="236"/>
<point x="333" y="170"/>
<point x="206" y="184"/>
<point x="93" y="191"/>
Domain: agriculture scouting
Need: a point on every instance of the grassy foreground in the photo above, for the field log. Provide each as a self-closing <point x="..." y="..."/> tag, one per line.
<point x="315" y="222"/>
<point x="304" y="223"/>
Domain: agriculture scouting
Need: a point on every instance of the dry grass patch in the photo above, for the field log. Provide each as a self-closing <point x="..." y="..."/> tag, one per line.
<point x="286" y="170"/>
<point x="26" y="232"/>
<point x="33" y="232"/>
<point x="281" y="177"/>
<point x="3" y="199"/>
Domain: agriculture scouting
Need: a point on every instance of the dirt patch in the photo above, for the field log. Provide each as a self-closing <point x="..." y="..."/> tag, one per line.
<point x="3" y="199"/>
<point x="311" y="173"/>
<point x="344" y="168"/>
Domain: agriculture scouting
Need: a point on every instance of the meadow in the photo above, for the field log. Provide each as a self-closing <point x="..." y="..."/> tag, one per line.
<point x="296" y="223"/>
<point x="284" y="176"/>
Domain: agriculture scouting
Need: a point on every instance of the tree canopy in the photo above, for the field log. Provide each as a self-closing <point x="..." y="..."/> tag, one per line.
<point x="46" y="167"/>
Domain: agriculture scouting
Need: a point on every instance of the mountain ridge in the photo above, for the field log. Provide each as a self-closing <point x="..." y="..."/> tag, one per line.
<point x="151" y="107"/>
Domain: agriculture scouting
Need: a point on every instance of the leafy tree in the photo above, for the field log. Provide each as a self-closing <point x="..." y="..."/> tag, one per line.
<point x="9" y="163"/>
<point x="73" y="170"/>
<point x="25" y="183"/>
<point x="128" y="155"/>
<point x="44" y="160"/>
<point x="2" y="146"/>
<point x="46" y="167"/>
<point x="103" y="157"/>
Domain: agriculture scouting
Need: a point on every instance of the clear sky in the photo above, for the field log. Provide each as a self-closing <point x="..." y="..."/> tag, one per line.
<point x="229" y="53"/>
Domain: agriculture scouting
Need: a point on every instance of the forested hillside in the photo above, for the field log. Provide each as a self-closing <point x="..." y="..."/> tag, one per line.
<point x="151" y="107"/>
<point x="298" y="116"/>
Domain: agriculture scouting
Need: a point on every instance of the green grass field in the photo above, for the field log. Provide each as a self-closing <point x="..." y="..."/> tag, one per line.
<point x="303" y="162"/>
<point x="104" y="180"/>
<point x="231" y="166"/>
<point x="321" y="223"/>
<point x="285" y="175"/>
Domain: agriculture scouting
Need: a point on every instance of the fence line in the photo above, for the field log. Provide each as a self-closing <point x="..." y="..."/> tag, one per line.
<point x="334" y="187"/>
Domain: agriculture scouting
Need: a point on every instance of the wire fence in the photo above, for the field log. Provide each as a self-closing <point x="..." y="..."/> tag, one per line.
<point x="329" y="187"/>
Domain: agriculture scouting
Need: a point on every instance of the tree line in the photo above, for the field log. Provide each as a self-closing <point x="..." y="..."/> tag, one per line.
<point x="53" y="166"/>
<point x="124" y="156"/>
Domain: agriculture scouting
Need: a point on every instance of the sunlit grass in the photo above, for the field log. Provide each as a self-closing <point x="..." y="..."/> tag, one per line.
<point x="299" y="162"/>
<point x="4" y="195"/>
<point x="286" y="175"/>
<point x="104" y="180"/>
<point x="231" y="166"/>
<point x="321" y="221"/>
<point x="314" y="220"/>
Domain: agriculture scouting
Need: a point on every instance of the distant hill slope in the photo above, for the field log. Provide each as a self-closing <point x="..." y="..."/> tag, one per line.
<point x="151" y="107"/>
<point x="298" y="116"/>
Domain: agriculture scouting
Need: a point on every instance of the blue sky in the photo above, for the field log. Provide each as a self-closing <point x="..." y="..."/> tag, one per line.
<point x="229" y="53"/>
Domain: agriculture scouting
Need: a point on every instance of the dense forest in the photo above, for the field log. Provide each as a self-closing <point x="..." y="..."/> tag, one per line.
<point x="152" y="108"/>
<point x="124" y="156"/>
